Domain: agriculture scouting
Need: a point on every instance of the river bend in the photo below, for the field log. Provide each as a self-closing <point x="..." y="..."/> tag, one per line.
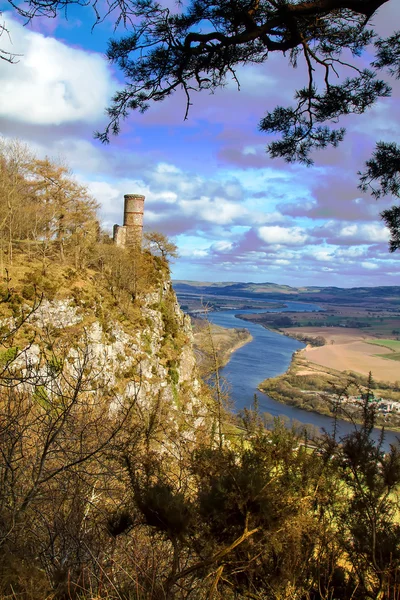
<point x="269" y="354"/>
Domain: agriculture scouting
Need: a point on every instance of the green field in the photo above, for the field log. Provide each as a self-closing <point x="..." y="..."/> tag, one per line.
<point x="391" y="344"/>
<point x="392" y="356"/>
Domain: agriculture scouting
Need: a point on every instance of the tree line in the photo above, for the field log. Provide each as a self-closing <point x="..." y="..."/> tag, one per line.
<point x="44" y="210"/>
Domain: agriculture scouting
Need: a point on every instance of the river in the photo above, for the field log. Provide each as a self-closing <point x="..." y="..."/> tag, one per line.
<point x="267" y="355"/>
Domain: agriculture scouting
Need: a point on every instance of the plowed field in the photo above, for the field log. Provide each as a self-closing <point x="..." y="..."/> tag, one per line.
<point x="348" y="350"/>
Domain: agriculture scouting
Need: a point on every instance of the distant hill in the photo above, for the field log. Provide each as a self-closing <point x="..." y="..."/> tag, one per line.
<point x="389" y="295"/>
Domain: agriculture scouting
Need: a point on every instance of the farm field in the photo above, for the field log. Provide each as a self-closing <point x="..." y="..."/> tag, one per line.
<point x="381" y="324"/>
<point x="392" y="345"/>
<point x="315" y="387"/>
<point x="350" y="350"/>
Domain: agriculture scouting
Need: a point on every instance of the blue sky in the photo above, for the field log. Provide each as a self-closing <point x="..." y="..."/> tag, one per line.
<point x="235" y="214"/>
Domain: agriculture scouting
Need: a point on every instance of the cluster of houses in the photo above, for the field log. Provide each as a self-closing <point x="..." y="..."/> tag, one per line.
<point x="382" y="405"/>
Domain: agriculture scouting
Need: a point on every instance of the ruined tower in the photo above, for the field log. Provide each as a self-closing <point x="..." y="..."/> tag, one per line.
<point x="130" y="233"/>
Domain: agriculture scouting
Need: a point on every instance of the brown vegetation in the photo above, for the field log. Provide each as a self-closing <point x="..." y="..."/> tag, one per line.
<point x="226" y="342"/>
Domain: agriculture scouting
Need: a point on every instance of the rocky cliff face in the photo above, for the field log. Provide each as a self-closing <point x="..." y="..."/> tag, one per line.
<point x="148" y="359"/>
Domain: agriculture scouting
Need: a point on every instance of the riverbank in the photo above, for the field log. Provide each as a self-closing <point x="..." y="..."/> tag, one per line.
<point x="236" y="345"/>
<point x="326" y="391"/>
<point x="213" y="343"/>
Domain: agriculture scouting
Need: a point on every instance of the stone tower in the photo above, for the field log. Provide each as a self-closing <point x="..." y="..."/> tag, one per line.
<point x="130" y="233"/>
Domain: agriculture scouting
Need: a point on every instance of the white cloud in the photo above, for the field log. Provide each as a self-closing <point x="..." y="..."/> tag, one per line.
<point x="259" y="217"/>
<point x="352" y="252"/>
<point x="382" y="121"/>
<point x="288" y="236"/>
<point x="249" y="150"/>
<point x="222" y="246"/>
<point x="104" y="193"/>
<point x="369" y="265"/>
<point x="190" y="253"/>
<point x="370" y="232"/>
<point x="217" y="211"/>
<point x="167" y="168"/>
<point x="322" y="255"/>
<point x="348" y="230"/>
<point x="52" y="83"/>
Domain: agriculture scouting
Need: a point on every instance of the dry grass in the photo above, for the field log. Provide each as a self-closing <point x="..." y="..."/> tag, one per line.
<point x="225" y="341"/>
